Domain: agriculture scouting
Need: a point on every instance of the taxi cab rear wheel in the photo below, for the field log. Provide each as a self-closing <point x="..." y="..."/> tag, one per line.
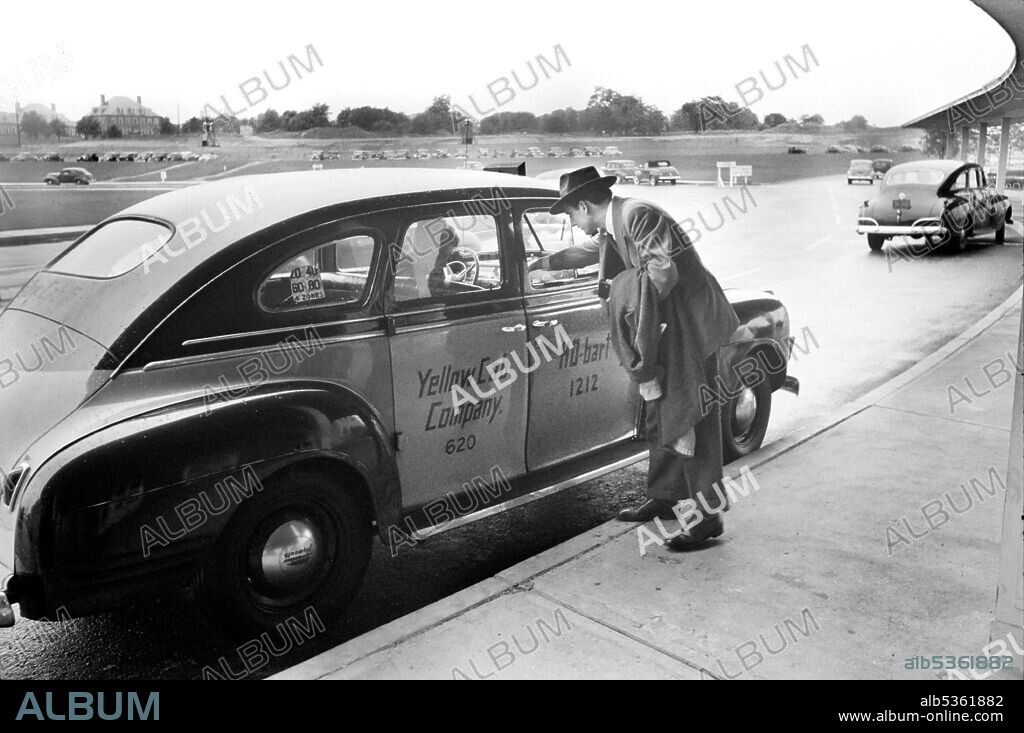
<point x="1001" y="234"/>
<point x="875" y="242"/>
<point x="302" y="543"/>
<point x="745" y="421"/>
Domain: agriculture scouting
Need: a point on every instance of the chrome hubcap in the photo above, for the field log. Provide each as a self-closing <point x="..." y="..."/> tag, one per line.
<point x="291" y="555"/>
<point x="746" y="409"/>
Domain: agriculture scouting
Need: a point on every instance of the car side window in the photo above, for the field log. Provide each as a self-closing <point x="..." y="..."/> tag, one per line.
<point x="975" y="178"/>
<point x="962" y="183"/>
<point x="333" y="271"/>
<point x="448" y="258"/>
<point x="543" y="234"/>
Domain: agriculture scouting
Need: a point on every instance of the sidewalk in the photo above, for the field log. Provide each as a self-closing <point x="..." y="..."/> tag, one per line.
<point x="829" y="568"/>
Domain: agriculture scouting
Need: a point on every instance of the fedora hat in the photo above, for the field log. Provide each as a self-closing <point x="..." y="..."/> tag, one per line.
<point x="574" y="184"/>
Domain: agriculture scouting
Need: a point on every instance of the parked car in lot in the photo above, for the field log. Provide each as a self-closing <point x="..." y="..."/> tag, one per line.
<point x="52" y="157"/>
<point x="833" y="149"/>
<point x="242" y="416"/>
<point x="159" y="157"/>
<point x="575" y="152"/>
<point x="23" y="157"/>
<point x="423" y="154"/>
<point x="946" y="202"/>
<point x="860" y="169"/>
<point x="796" y="150"/>
<point x="611" y="150"/>
<point x="556" y="152"/>
<point x="882" y="149"/>
<point x="881" y="166"/>
<point x="1014" y="175"/>
<point x="3" y="158"/>
<point x="534" y="152"/>
<point x="111" y="157"/>
<point x="654" y="172"/>
<point x="591" y="151"/>
<point x="626" y="171"/>
<point x="78" y="176"/>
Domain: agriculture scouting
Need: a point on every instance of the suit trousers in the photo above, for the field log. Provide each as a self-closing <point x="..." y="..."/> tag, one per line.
<point x="671" y="475"/>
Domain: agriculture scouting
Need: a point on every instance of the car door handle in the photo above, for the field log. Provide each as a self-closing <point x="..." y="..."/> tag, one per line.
<point x="513" y="329"/>
<point x="542" y="324"/>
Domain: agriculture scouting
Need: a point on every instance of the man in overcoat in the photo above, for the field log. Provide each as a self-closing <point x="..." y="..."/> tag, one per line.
<point x="669" y="319"/>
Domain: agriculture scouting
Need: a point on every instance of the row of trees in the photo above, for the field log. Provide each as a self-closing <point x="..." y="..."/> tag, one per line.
<point x="607" y="111"/>
<point x="34" y="125"/>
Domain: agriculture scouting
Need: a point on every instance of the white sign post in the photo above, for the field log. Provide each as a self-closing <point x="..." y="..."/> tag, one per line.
<point x="740" y="170"/>
<point x="722" y="165"/>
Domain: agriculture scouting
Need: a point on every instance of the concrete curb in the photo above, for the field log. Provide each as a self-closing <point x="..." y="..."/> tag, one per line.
<point x="517" y="576"/>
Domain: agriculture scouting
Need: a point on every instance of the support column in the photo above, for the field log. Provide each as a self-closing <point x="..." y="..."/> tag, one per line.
<point x="965" y="139"/>
<point x="1004" y="153"/>
<point x="982" y="142"/>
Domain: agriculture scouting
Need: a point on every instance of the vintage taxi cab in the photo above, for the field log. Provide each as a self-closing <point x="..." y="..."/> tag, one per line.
<point x="946" y="202"/>
<point x="235" y="385"/>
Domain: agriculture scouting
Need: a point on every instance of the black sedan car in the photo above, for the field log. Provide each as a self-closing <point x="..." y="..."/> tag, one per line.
<point x="945" y="202"/>
<point x="78" y="176"/>
<point x="236" y="385"/>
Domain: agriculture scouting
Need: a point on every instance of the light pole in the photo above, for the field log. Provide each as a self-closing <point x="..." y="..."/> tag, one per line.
<point x="17" y="120"/>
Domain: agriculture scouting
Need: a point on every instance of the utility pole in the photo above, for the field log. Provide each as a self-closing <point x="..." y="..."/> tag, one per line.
<point x="17" y="120"/>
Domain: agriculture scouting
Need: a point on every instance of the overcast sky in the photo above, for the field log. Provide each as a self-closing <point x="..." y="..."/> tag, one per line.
<point x="890" y="61"/>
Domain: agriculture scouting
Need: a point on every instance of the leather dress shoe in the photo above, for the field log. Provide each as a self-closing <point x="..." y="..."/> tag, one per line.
<point x="699" y="535"/>
<point x="661" y="508"/>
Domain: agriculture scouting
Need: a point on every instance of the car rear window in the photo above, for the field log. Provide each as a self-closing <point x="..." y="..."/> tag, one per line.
<point x="912" y="176"/>
<point x="114" y="249"/>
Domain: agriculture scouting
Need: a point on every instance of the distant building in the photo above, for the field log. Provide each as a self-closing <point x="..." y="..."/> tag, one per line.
<point x="8" y="126"/>
<point x="131" y="118"/>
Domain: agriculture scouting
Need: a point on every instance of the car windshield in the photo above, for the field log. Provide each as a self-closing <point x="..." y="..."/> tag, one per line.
<point x="114" y="248"/>
<point x="914" y="176"/>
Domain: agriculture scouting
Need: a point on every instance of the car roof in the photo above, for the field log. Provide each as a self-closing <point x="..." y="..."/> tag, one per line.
<point x="945" y="166"/>
<point x="285" y="195"/>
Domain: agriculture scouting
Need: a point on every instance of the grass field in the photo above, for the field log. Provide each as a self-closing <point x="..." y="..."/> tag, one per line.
<point x="694" y="155"/>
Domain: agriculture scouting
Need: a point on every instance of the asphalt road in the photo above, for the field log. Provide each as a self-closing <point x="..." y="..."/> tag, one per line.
<point x="868" y="316"/>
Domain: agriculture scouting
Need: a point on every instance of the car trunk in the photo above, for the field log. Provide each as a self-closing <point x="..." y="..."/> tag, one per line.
<point x="917" y="202"/>
<point x="47" y="369"/>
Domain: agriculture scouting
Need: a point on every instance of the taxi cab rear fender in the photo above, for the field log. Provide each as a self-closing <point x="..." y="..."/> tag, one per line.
<point x="765" y="359"/>
<point x="143" y="499"/>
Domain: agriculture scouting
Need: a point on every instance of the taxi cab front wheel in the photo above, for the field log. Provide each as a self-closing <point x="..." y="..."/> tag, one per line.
<point x="745" y="421"/>
<point x="301" y="544"/>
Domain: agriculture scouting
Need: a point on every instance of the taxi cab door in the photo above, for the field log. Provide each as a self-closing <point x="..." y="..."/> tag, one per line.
<point x="581" y="398"/>
<point x="454" y="306"/>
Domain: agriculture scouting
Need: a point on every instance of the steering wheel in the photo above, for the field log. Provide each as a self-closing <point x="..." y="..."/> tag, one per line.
<point x="458" y="271"/>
